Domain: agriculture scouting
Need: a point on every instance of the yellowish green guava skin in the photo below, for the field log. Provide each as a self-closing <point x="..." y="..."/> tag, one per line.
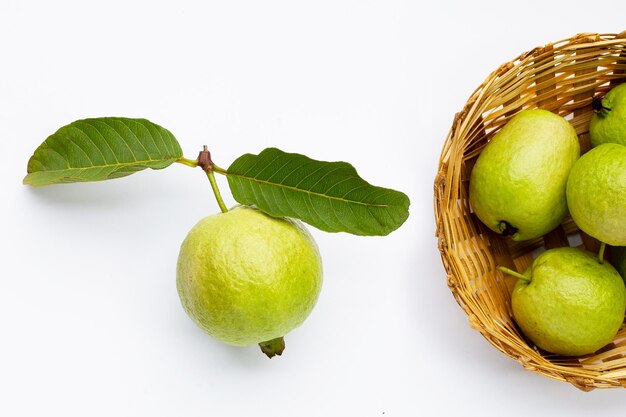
<point x="572" y="305"/>
<point x="608" y="125"/>
<point x="245" y="277"/>
<point x="520" y="176"/>
<point x="596" y="193"/>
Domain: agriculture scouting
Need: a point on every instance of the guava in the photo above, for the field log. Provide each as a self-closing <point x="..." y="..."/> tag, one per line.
<point x="596" y="193"/>
<point x="248" y="278"/>
<point x="568" y="302"/>
<point x="517" y="186"/>
<point x="608" y="124"/>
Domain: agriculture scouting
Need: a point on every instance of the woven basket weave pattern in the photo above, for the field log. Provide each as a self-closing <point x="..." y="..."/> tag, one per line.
<point x="562" y="77"/>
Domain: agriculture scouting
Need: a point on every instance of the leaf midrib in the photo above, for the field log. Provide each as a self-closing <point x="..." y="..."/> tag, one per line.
<point x="122" y="164"/>
<point x="289" y="187"/>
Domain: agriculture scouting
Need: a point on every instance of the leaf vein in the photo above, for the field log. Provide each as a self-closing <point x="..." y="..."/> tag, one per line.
<point x="304" y="190"/>
<point x="130" y="131"/>
<point x="265" y="167"/>
<point x="122" y="165"/>
<point x="145" y="128"/>
<point x="310" y="174"/>
<point x="121" y="137"/>
<point x="103" y="139"/>
<point x="91" y="141"/>
<point x="82" y="150"/>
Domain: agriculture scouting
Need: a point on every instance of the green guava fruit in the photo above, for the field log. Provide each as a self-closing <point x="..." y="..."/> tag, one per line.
<point x="608" y="124"/>
<point x="596" y="193"/>
<point x="570" y="303"/>
<point x="245" y="277"/>
<point x="517" y="186"/>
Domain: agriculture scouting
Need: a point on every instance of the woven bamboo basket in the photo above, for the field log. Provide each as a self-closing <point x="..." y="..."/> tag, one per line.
<point x="562" y="77"/>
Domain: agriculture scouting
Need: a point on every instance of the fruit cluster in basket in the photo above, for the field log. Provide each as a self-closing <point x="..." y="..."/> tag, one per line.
<point x="525" y="181"/>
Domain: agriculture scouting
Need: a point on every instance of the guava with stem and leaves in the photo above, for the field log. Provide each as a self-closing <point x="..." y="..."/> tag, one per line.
<point x="246" y="277"/>
<point x="251" y="274"/>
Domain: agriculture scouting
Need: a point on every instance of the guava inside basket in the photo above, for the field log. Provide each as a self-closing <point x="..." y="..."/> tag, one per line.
<point x="562" y="77"/>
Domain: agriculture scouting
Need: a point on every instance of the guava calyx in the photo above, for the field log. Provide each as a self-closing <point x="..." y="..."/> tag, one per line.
<point x="506" y="229"/>
<point x="273" y="347"/>
<point x="597" y="104"/>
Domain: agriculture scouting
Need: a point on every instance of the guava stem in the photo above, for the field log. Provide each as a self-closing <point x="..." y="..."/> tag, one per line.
<point x="512" y="273"/>
<point x="273" y="347"/>
<point x="206" y="163"/>
<point x="216" y="191"/>
<point x="601" y="253"/>
<point x="598" y="106"/>
<point x="219" y="170"/>
<point x="188" y="162"/>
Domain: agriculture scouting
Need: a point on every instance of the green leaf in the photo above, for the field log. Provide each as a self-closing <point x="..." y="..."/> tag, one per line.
<point x="101" y="149"/>
<point x="328" y="195"/>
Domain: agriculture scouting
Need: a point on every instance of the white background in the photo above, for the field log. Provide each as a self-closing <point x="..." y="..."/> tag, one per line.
<point x="90" y="321"/>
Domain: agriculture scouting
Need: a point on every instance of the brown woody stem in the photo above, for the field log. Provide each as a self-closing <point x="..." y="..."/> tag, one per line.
<point x="204" y="160"/>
